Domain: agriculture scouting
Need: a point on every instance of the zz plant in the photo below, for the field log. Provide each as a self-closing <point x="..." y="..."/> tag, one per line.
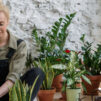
<point x="91" y="58"/>
<point x="54" y="40"/>
<point x="51" y="46"/>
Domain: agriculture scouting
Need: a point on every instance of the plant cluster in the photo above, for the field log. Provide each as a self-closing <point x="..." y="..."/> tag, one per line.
<point x="91" y="58"/>
<point x="51" y="46"/>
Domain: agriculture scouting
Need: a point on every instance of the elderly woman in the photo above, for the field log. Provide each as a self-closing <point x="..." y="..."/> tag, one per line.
<point x="12" y="59"/>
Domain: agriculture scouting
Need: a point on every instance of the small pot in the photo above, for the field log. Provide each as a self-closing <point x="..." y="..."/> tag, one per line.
<point x="93" y="88"/>
<point x="57" y="82"/>
<point x="46" y="95"/>
<point x="73" y="94"/>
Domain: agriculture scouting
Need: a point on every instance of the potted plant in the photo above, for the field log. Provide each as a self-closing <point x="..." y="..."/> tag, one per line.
<point x="21" y="92"/>
<point x="92" y="62"/>
<point x="73" y="75"/>
<point x="46" y="92"/>
<point x="52" y="46"/>
<point x="59" y="66"/>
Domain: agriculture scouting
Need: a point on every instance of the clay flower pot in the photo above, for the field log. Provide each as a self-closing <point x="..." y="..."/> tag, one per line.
<point x="92" y="89"/>
<point x="57" y="82"/>
<point x="46" y="95"/>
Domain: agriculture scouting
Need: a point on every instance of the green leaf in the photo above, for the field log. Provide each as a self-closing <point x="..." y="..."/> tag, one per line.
<point x="17" y="87"/>
<point x="73" y="14"/>
<point x="60" y="19"/>
<point x="50" y="78"/>
<point x="28" y="95"/>
<point x="86" y="79"/>
<point x="83" y="86"/>
<point x="32" y="88"/>
<point x="23" y="93"/>
<point x="82" y="37"/>
<point x="13" y="95"/>
<point x="69" y="81"/>
<point x="68" y="17"/>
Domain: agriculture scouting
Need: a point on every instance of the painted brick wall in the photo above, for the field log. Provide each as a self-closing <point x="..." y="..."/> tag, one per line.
<point x="42" y="13"/>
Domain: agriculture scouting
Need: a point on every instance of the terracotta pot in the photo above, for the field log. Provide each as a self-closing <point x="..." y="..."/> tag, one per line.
<point x="46" y="95"/>
<point x="57" y="82"/>
<point x="92" y="89"/>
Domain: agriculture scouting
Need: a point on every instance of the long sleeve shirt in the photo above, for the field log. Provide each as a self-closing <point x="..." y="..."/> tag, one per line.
<point x="17" y="62"/>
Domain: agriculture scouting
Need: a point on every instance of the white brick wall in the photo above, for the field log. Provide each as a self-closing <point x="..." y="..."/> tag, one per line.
<point x="42" y="13"/>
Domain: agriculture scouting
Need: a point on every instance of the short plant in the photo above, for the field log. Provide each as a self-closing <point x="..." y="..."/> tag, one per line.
<point x="73" y="72"/>
<point x="49" y="73"/>
<point x="21" y="92"/>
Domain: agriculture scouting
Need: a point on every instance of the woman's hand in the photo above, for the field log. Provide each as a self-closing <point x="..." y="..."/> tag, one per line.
<point x="4" y="89"/>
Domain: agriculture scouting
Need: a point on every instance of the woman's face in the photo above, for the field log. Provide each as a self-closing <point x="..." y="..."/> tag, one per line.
<point x="3" y="24"/>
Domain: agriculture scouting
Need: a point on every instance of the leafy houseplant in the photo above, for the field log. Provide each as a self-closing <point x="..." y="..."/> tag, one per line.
<point x="55" y="38"/>
<point x="92" y="63"/>
<point x="73" y="75"/>
<point x="21" y="92"/>
<point x="73" y="72"/>
<point x="49" y="73"/>
<point x="52" y="44"/>
<point x="91" y="58"/>
<point x="46" y="93"/>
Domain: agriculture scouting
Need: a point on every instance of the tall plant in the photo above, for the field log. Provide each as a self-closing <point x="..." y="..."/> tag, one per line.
<point x="51" y="46"/>
<point x="55" y="38"/>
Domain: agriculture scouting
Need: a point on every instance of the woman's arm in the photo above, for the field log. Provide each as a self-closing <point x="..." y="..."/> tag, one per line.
<point x="17" y="66"/>
<point x="4" y="89"/>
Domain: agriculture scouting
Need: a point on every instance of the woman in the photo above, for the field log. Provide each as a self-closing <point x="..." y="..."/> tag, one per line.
<point x="13" y="53"/>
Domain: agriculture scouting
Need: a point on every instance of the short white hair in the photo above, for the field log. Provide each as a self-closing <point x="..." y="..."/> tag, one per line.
<point x="5" y="10"/>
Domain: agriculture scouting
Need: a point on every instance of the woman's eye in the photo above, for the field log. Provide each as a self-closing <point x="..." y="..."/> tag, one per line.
<point x="1" y="24"/>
